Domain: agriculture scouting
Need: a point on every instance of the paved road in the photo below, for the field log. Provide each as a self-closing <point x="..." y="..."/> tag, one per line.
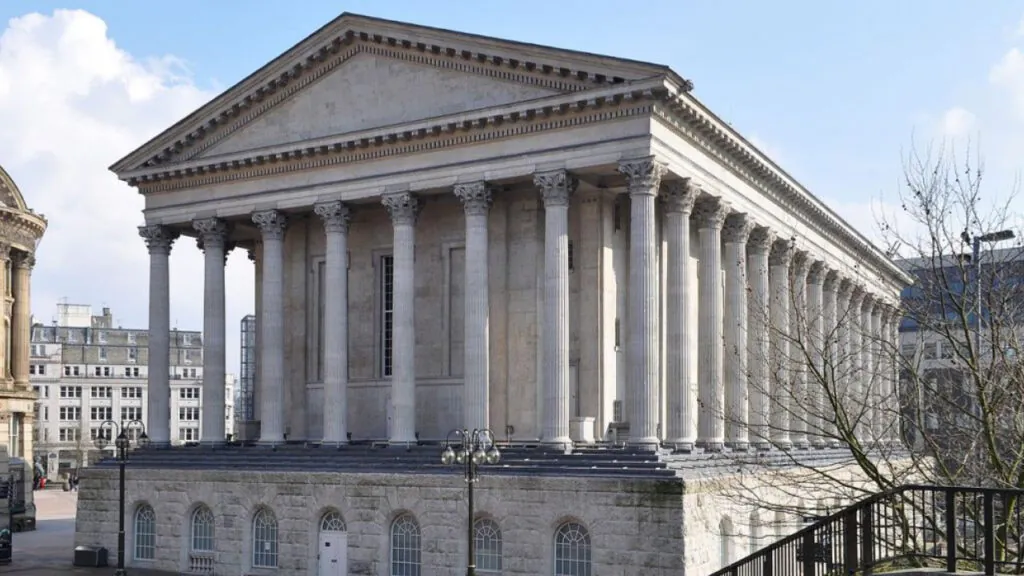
<point x="47" y="551"/>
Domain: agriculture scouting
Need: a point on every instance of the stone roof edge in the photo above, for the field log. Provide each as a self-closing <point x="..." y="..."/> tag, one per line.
<point x="764" y="173"/>
<point x="586" y="69"/>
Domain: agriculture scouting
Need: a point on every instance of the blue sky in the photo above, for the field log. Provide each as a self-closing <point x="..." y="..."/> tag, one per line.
<point x="833" y="91"/>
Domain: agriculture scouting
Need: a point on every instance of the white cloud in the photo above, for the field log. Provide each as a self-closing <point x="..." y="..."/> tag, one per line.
<point x="71" y="103"/>
<point x="957" y="123"/>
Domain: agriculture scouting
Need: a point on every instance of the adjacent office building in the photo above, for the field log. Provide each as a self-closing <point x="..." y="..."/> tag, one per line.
<point x="86" y="369"/>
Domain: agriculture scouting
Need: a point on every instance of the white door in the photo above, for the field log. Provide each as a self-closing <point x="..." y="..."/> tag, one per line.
<point x="333" y="560"/>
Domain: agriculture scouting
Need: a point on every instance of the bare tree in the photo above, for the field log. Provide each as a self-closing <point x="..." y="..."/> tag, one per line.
<point x="940" y="402"/>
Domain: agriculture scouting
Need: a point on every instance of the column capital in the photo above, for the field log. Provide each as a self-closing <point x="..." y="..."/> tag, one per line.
<point x="680" y="195"/>
<point x="643" y="175"/>
<point x="878" y="308"/>
<point x="555" y="187"/>
<point x="475" y="197"/>
<point x="831" y="281"/>
<point x="800" y="265"/>
<point x="845" y="290"/>
<point x="816" y="272"/>
<point x="856" y="295"/>
<point x="782" y="252"/>
<point x="24" y="260"/>
<point x="212" y="232"/>
<point x="159" y="239"/>
<point x="272" y="223"/>
<point x="761" y="239"/>
<point x="867" y="302"/>
<point x="335" y="216"/>
<point x="737" y="228"/>
<point x="710" y="212"/>
<point x="403" y="207"/>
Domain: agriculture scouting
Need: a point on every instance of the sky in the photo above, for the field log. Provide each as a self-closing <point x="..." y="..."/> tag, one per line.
<point x="836" y="93"/>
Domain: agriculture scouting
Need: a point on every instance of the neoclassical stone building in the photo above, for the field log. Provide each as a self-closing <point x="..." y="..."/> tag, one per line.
<point x="457" y="231"/>
<point x="21" y="229"/>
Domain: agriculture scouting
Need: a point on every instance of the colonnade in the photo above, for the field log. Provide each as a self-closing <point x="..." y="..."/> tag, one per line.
<point x="765" y="322"/>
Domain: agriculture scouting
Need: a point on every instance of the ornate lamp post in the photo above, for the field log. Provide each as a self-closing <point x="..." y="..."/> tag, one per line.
<point x="122" y="442"/>
<point x="472" y="449"/>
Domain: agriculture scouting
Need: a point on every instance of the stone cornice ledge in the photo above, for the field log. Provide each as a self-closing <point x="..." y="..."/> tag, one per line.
<point x="692" y="120"/>
<point x="613" y="96"/>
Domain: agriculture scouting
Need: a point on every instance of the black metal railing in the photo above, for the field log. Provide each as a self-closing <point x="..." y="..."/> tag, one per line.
<point x="951" y="528"/>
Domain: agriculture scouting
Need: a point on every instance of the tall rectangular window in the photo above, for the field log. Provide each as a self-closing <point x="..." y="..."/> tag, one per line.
<point x="387" y="313"/>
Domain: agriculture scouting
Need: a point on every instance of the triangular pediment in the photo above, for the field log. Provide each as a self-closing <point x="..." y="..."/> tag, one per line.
<point x="359" y="72"/>
<point x="371" y="91"/>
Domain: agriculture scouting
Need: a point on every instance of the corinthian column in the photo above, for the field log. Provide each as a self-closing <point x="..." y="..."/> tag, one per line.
<point x="335" y="216"/>
<point x="853" y="405"/>
<point x="681" y="431"/>
<point x="213" y="236"/>
<point x="877" y="374"/>
<point x="710" y="213"/>
<point x="816" y="347"/>
<point x="892" y="403"/>
<point x="799" y="350"/>
<point x="830" y="356"/>
<point x="272" y="225"/>
<point x="159" y="241"/>
<point x="759" y="351"/>
<point x="476" y="199"/>
<point x="844" y="362"/>
<point x="403" y="207"/>
<point x="736" y="233"/>
<point x="780" y="259"/>
<point x="21" y="326"/>
<point x="643" y="178"/>
<point x="556" y="188"/>
<point x="867" y="370"/>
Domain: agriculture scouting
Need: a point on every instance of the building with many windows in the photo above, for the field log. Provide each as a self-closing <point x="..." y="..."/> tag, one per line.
<point x="86" y="370"/>
<point x="451" y="231"/>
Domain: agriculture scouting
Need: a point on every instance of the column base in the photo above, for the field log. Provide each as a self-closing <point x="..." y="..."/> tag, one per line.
<point x="738" y="445"/>
<point x="214" y="443"/>
<point x="782" y="444"/>
<point x="649" y="444"/>
<point x="762" y="446"/>
<point x="402" y="441"/>
<point x="711" y="445"/>
<point x="562" y="442"/>
<point x="680" y="445"/>
<point x="333" y="443"/>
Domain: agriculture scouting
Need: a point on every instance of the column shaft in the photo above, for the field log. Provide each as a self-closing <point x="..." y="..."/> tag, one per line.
<point x="21" y="318"/>
<point x="877" y="374"/>
<point x="556" y="188"/>
<point x="272" y="224"/>
<point x="476" y="405"/>
<point x="866" y="381"/>
<point x="681" y="392"/>
<point x="759" y="351"/>
<point x="736" y="233"/>
<point x="710" y="213"/>
<point x="643" y="178"/>
<point x="213" y="240"/>
<point x="800" y="351"/>
<point x="404" y="208"/>
<point x="831" y="346"/>
<point x="158" y="422"/>
<point x="815" y="374"/>
<point x="852" y="404"/>
<point x="335" y="217"/>
<point x="782" y="384"/>
<point x="892" y="402"/>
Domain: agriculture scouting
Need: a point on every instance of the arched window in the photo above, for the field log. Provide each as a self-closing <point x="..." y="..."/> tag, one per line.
<point x="201" y="552"/>
<point x="572" y="550"/>
<point x="405" y="546"/>
<point x="202" y="530"/>
<point x="145" y="533"/>
<point x="264" y="539"/>
<point x="332" y="522"/>
<point x="487" y="539"/>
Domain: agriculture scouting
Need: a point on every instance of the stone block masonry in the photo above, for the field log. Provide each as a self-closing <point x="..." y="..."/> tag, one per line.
<point x="634" y="525"/>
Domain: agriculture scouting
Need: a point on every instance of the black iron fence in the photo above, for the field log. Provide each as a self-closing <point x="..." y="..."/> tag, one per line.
<point x="951" y="528"/>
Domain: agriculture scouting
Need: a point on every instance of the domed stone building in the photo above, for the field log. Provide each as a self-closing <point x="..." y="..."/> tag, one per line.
<point x="21" y="229"/>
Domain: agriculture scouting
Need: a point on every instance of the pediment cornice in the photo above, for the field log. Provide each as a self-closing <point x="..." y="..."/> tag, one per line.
<point x="349" y="35"/>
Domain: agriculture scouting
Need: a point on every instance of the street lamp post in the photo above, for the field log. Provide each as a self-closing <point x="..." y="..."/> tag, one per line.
<point x="122" y="442"/>
<point x="473" y="448"/>
<point x="990" y="238"/>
